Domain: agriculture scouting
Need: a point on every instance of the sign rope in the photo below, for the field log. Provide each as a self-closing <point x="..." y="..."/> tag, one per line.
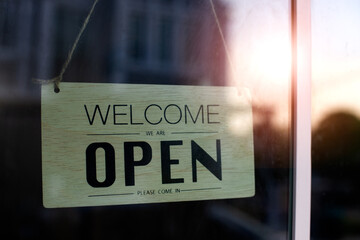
<point x="56" y="80"/>
<point x="232" y="66"/>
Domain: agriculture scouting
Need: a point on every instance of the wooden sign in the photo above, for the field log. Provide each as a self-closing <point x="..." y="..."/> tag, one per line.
<point x="111" y="144"/>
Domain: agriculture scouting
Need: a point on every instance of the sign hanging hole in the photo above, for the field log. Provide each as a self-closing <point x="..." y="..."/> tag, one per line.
<point x="56" y="89"/>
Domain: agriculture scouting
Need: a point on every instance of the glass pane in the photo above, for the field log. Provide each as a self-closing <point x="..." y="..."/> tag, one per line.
<point x="336" y="119"/>
<point x="240" y="43"/>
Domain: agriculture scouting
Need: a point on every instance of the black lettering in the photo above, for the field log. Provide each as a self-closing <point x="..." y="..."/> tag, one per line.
<point x="131" y="117"/>
<point x="118" y="114"/>
<point x="211" y="113"/>
<point x="201" y="109"/>
<point x="145" y="114"/>
<point x="130" y="162"/>
<point x="166" y="162"/>
<point x="180" y="115"/>
<point x="97" y="108"/>
<point x="109" y="164"/>
<point x="205" y="159"/>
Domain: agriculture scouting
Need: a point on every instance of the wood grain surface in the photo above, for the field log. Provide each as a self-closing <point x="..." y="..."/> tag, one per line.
<point x="114" y="144"/>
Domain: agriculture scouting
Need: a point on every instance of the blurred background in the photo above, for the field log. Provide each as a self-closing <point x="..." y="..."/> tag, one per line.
<point x="178" y="42"/>
<point x="336" y="119"/>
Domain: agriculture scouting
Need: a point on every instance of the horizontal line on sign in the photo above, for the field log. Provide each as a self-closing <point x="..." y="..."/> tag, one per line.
<point x="199" y="189"/>
<point x="112" y="134"/>
<point x="109" y="195"/>
<point x="192" y="132"/>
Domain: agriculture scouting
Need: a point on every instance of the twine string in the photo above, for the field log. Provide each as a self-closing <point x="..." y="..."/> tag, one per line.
<point x="57" y="80"/>
<point x="227" y="52"/>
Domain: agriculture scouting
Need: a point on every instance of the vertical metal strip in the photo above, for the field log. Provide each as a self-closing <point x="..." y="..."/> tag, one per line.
<point x="292" y="137"/>
<point x="301" y="117"/>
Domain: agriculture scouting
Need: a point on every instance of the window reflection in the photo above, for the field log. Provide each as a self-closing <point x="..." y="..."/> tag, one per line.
<point x="152" y="42"/>
<point x="137" y="36"/>
<point x="8" y="21"/>
<point x="166" y="39"/>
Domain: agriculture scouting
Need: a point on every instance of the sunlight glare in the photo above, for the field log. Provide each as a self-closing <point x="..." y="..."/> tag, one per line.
<point x="272" y="60"/>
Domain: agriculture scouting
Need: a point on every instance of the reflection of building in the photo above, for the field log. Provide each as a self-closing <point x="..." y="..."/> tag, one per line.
<point x="16" y="21"/>
<point x="166" y="42"/>
<point x="137" y="41"/>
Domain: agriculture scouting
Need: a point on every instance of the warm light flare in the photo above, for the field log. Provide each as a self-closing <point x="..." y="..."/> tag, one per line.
<point x="272" y="60"/>
<point x="259" y="40"/>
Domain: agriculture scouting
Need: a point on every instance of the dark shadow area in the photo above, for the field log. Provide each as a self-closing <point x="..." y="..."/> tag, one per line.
<point x="336" y="179"/>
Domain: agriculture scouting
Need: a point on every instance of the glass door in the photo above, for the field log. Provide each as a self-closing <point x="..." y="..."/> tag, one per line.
<point x="242" y="44"/>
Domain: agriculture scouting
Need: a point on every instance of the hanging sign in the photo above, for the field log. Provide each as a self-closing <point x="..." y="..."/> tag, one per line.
<point x="113" y="144"/>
